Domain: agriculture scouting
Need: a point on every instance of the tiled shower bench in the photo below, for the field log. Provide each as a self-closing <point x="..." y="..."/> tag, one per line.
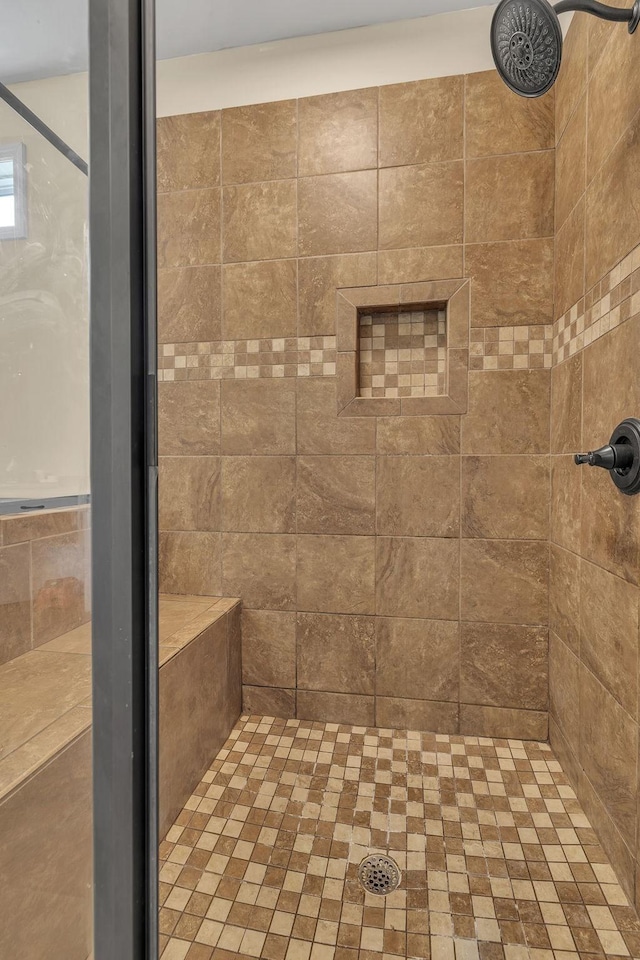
<point x="45" y="762"/>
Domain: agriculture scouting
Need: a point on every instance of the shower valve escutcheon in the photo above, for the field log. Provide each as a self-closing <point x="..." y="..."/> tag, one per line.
<point x="621" y="456"/>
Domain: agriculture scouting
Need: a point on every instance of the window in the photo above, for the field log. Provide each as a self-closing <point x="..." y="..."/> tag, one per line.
<point x="13" y="191"/>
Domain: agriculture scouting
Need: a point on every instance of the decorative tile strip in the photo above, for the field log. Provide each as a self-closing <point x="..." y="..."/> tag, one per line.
<point x="609" y="303"/>
<point x="403" y="354"/>
<point x="511" y="348"/>
<point x="248" y="359"/>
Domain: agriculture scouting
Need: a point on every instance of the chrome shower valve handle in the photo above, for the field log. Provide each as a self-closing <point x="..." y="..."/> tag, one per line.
<point x="621" y="456"/>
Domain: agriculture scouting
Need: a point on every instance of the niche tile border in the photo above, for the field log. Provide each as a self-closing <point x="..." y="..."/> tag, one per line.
<point x="351" y="302"/>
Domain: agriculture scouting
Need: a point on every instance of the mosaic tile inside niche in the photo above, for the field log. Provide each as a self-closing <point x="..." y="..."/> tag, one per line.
<point x="499" y="861"/>
<point x="403" y="353"/>
<point x="609" y="303"/>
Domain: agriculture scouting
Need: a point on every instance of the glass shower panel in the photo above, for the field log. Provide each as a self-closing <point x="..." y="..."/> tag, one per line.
<point x="45" y="533"/>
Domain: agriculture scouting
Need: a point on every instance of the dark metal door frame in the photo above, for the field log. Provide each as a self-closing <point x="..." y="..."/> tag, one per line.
<point x="124" y="477"/>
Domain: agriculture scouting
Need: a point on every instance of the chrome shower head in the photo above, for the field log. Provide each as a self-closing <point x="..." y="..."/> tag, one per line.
<point x="526" y="39"/>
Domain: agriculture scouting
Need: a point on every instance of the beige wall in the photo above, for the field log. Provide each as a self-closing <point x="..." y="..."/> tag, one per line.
<point x="595" y="530"/>
<point x="393" y="570"/>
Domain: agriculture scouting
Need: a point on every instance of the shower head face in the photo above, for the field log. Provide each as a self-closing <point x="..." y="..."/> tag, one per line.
<point x="526" y="43"/>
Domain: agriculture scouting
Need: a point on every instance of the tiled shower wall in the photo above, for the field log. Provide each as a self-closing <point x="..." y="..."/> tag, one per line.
<point x="392" y="570"/>
<point x="595" y="531"/>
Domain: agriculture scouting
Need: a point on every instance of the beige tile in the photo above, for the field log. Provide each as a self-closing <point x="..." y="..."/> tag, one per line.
<point x="319" y="278"/>
<point x="572" y="77"/>
<point x="566" y="405"/>
<point x="421" y="206"/>
<point x="335" y="654"/>
<point x="610" y="526"/>
<point x="338" y="213"/>
<point x="338" y="132"/>
<point x="336" y="495"/>
<point x="486" y="721"/>
<point x="399" y="713"/>
<point x="189" y="304"/>
<point x="418" y="496"/>
<point x="417" y="577"/>
<point x="565" y="517"/>
<point x="258" y="417"/>
<point x="188" y="151"/>
<point x="510" y="197"/>
<point x="504" y="581"/>
<point x="335" y="708"/>
<point x="259" y="142"/>
<point x="421" y="122"/>
<point x="498" y="122"/>
<point x="612" y="198"/>
<point x="45" y="860"/>
<point x="15" y="601"/>
<point x="34" y="526"/>
<point x="268" y="648"/>
<point x="189" y="228"/>
<point x="189" y="418"/>
<point x="564" y="690"/>
<point x="269" y="701"/>
<point x="569" y="282"/>
<point x="190" y="563"/>
<point x="564" y="596"/>
<point x="571" y="166"/>
<point x="320" y="590"/>
<point x="189" y="493"/>
<point x="259" y="221"/>
<point x="417" y="264"/>
<point x="418" y="436"/>
<point x="505" y="497"/>
<point x="417" y="659"/>
<point x="521" y="401"/>
<point x="609" y="752"/>
<point x="60" y="584"/>
<point x="258" y="494"/>
<point x="261" y="569"/>
<point x="607" y="400"/>
<point x="613" y="101"/>
<point x="512" y="282"/>
<point x="609" y="632"/>
<point x="504" y="665"/>
<point x="320" y="430"/>
<point x="260" y="300"/>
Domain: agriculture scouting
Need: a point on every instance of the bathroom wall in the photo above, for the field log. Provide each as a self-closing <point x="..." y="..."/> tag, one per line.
<point x="393" y="570"/>
<point x="595" y="531"/>
<point x="45" y="578"/>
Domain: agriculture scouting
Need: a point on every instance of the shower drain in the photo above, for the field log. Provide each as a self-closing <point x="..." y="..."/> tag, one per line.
<point x="379" y="874"/>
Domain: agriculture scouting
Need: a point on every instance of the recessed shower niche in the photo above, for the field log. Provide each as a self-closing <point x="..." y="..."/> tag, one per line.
<point x="403" y="349"/>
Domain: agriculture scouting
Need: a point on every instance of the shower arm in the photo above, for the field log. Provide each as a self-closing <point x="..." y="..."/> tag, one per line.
<point x="603" y="11"/>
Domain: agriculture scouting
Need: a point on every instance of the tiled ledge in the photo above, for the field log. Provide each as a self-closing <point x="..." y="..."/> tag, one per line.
<point x="609" y="303"/>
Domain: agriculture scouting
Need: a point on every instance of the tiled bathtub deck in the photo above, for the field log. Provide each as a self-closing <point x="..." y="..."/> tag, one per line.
<point x="498" y="859"/>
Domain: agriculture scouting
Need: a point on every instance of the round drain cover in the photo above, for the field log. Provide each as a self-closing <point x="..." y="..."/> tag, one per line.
<point x="379" y="874"/>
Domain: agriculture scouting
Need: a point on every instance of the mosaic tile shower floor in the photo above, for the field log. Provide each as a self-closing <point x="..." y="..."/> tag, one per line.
<point x="498" y="860"/>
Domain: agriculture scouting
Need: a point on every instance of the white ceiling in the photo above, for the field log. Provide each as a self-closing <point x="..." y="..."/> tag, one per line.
<point x="44" y="38"/>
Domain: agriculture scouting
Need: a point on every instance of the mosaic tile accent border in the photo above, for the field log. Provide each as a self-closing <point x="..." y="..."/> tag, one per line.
<point x="248" y="359"/>
<point x="403" y="354"/>
<point x="498" y="860"/>
<point x="511" y="348"/>
<point x="609" y="303"/>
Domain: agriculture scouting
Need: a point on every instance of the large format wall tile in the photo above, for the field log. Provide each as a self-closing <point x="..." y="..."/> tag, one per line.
<point x="258" y="494"/>
<point x="421" y="122"/>
<point x="189" y="493"/>
<point x="504" y="581"/>
<point x="269" y="701"/>
<point x="564" y="596"/>
<point x="336" y="653"/>
<point x="569" y="281"/>
<point x="571" y="176"/>
<point x="336" y="495"/>
<point x="505" y="497"/>
<point x="260" y="221"/>
<point x="344" y="708"/>
<point x="564" y="690"/>
<point x="418" y="436"/>
<point x="421" y="206"/>
<point x="189" y="418"/>
<point x="338" y="132"/>
<point x="321" y="590"/>
<point x="418" y="496"/>
<point x="566" y="406"/>
<point x="484" y="721"/>
<point x="59" y="585"/>
<point x="417" y="264"/>
<point x="417" y="577"/>
<point x="318" y="280"/>
<point x="260" y="569"/>
<point x="519" y="423"/>
<point x="189" y="304"/>
<point x="338" y="213"/>
<point x="512" y="282"/>
<point x="417" y="659"/>
<point x="189" y="228"/>
<point x="15" y="601"/>
<point x="320" y="430"/>
<point x="268" y="648"/>
<point x="259" y="142"/>
<point x="497" y="122"/>
<point x="188" y="151"/>
<point x="510" y="197"/>
<point x="258" y="417"/>
<point x="403" y="714"/>
<point x="190" y="563"/>
<point x="504" y="665"/>
<point x="260" y="300"/>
